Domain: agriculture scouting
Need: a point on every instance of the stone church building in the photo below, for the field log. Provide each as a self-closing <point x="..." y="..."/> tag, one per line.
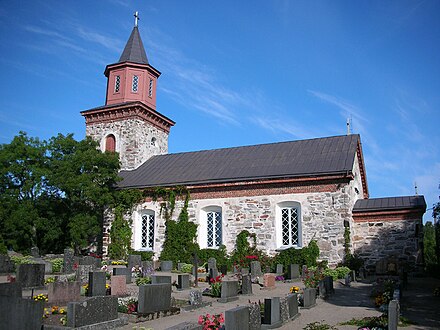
<point x="286" y="193"/>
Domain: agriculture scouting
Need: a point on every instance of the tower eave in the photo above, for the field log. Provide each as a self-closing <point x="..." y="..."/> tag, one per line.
<point x="119" y="65"/>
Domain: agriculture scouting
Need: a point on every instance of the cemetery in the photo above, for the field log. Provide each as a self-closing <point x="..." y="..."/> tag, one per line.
<point x="90" y="293"/>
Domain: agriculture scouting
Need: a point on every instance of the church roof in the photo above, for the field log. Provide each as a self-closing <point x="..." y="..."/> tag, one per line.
<point x="304" y="158"/>
<point x="134" y="50"/>
<point x="390" y="203"/>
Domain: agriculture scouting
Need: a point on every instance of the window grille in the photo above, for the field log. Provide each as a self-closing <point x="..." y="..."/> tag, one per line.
<point x="289" y="226"/>
<point x="135" y="84"/>
<point x="214" y="238"/>
<point x="147" y="238"/>
<point x="117" y="83"/>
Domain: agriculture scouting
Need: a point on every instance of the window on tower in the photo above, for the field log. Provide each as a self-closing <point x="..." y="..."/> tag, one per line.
<point x="150" y="88"/>
<point x="135" y="84"/>
<point x="117" y="83"/>
<point x="110" y="143"/>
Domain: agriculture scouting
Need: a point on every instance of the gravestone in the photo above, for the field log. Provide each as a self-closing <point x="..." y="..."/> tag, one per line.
<point x="97" y="284"/>
<point x="91" y="311"/>
<point x="321" y="289"/>
<point x="212" y="263"/>
<point x="20" y="313"/>
<point x="195" y="298"/>
<point x="154" y="298"/>
<point x="244" y="271"/>
<point x="347" y="280"/>
<point x="237" y="318"/>
<point x="123" y="271"/>
<point x="280" y="269"/>
<point x="328" y="285"/>
<point x="246" y="286"/>
<point x="133" y="261"/>
<point x="35" y="252"/>
<point x="47" y="264"/>
<point x="254" y="317"/>
<point x="82" y="272"/>
<point x="309" y="297"/>
<point x="284" y="310"/>
<point x="180" y="265"/>
<point x="31" y="275"/>
<point x="269" y="281"/>
<point x="182" y="281"/>
<point x="293" y="271"/>
<point x="68" y="261"/>
<point x="292" y="304"/>
<point x="166" y="266"/>
<point x="147" y="268"/>
<point x="256" y="269"/>
<point x="63" y="292"/>
<point x="118" y="285"/>
<point x="195" y="261"/>
<point x="229" y="291"/>
<point x="304" y="270"/>
<point x="353" y="276"/>
<point x="393" y="314"/>
<point x="11" y="289"/>
<point x="272" y="312"/>
<point x="89" y="260"/>
<point x="213" y="273"/>
<point x="160" y="279"/>
<point x="6" y="265"/>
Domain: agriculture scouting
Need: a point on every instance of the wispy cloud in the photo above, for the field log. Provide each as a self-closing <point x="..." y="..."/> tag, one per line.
<point x="111" y="43"/>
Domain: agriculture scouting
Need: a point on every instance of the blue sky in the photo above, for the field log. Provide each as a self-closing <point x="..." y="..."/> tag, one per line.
<point x="240" y="73"/>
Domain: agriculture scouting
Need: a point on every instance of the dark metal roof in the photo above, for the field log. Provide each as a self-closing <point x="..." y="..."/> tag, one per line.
<point x="134" y="49"/>
<point x="390" y="203"/>
<point x="322" y="156"/>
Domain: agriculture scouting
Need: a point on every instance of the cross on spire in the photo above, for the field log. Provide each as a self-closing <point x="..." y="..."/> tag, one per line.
<point x="136" y="18"/>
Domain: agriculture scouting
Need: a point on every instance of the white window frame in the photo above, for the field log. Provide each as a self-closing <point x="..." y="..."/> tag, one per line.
<point x="203" y="227"/>
<point x="140" y="230"/>
<point x="279" y="225"/>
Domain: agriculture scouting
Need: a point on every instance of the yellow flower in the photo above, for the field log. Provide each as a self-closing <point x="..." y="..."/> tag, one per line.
<point x="62" y="311"/>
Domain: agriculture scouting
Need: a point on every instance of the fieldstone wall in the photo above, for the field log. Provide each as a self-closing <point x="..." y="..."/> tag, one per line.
<point x="377" y="239"/>
<point x="136" y="140"/>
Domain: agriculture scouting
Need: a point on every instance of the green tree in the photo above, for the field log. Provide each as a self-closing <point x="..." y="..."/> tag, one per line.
<point x="429" y="244"/>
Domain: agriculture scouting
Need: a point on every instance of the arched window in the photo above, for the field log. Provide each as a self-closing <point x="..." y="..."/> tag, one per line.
<point x="288" y="225"/>
<point x="147" y="230"/>
<point x="153" y="141"/>
<point x="110" y="143"/>
<point x="210" y="229"/>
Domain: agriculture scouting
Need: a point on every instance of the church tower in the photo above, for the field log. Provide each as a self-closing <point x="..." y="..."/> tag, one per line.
<point x="128" y="123"/>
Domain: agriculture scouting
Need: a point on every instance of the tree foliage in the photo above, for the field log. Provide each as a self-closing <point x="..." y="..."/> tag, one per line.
<point x="53" y="193"/>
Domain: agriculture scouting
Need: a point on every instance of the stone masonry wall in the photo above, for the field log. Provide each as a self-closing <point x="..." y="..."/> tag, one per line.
<point x="133" y="140"/>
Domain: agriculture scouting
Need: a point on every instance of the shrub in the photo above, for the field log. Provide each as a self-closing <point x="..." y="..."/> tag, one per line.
<point x="143" y="281"/>
<point x="342" y="271"/>
<point x="57" y="264"/>
<point x="219" y="255"/>
<point x="306" y="256"/>
<point x="18" y="260"/>
<point x="331" y="272"/>
<point x="145" y="255"/>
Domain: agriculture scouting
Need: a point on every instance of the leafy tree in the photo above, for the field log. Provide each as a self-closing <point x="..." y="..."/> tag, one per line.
<point x="429" y="244"/>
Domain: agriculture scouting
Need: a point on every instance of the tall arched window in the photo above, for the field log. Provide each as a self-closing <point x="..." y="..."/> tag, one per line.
<point x="147" y="230"/>
<point x="110" y="143"/>
<point x="210" y="229"/>
<point x="288" y="225"/>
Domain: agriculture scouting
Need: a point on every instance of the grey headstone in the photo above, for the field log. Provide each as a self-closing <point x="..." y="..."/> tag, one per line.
<point x="229" y="291"/>
<point x="6" y="265"/>
<point x="293" y="271"/>
<point x="82" y="272"/>
<point x="195" y="297"/>
<point x="237" y="318"/>
<point x="166" y="266"/>
<point x="393" y="314"/>
<point x="328" y="285"/>
<point x="68" y="261"/>
<point x="213" y="272"/>
<point x="347" y="280"/>
<point x="87" y="260"/>
<point x="212" y="263"/>
<point x="256" y="269"/>
<point x="224" y="269"/>
<point x="133" y="261"/>
<point x="11" y="289"/>
<point x="396" y="294"/>
<point x="154" y="298"/>
<point x="97" y="284"/>
<point x="19" y="313"/>
<point x="31" y="275"/>
<point x="186" y="326"/>
<point x="182" y="281"/>
<point x="180" y="265"/>
<point x="303" y="270"/>
<point x="91" y="311"/>
<point x="123" y="271"/>
<point x="353" y="275"/>
<point x="35" y="252"/>
<point x="160" y="279"/>
<point x="292" y="303"/>
<point x="244" y="271"/>
<point x="272" y="311"/>
<point x="284" y="310"/>
<point x="321" y="289"/>
<point x="63" y="292"/>
<point x="246" y="286"/>
<point x="254" y="317"/>
<point x="280" y="269"/>
<point x="309" y="297"/>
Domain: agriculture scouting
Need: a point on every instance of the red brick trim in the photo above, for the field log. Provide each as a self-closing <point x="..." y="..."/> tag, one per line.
<point x="136" y="110"/>
<point x="362" y="168"/>
<point x="391" y="215"/>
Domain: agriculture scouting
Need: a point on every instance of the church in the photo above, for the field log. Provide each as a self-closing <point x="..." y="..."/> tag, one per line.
<point x="285" y="193"/>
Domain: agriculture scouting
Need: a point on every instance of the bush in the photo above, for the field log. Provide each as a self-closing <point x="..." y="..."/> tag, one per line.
<point x="354" y="262"/>
<point x="219" y="255"/>
<point x="331" y="272"/>
<point x="342" y="271"/>
<point x="57" y="264"/>
<point x="306" y="256"/>
<point x="143" y="281"/>
<point x="21" y="260"/>
<point x="145" y="255"/>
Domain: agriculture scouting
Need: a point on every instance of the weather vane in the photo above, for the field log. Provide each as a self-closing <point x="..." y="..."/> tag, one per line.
<point x="136" y="18"/>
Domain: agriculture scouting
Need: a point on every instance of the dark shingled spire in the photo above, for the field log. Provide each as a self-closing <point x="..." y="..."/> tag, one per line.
<point x="134" y="49"/>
